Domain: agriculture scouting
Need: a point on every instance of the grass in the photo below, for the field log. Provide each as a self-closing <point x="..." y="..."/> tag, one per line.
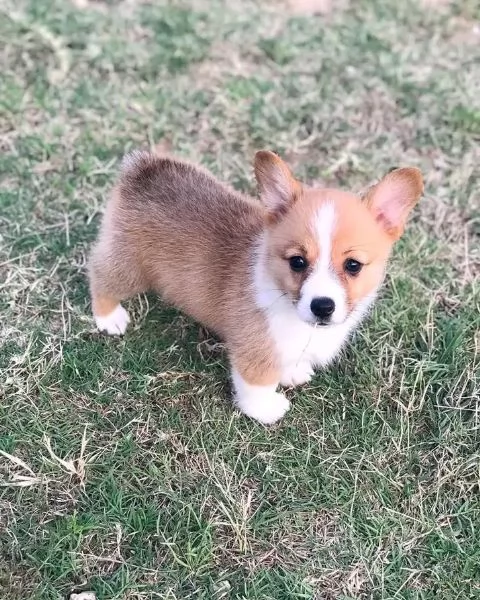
<point x="125" y="469"/>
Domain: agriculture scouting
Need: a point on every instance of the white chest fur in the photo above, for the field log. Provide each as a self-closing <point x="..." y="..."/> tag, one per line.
<point x="300" y="346"/>
<point x="299" y="342"/>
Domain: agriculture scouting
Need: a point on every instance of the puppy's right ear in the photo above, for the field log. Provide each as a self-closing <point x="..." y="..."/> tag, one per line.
<point x="278" y="188"/>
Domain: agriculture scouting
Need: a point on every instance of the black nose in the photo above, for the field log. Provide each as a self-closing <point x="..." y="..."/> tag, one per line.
<point x="322" y="307"/>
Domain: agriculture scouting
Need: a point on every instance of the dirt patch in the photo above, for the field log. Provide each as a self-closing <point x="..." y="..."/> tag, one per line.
<point x="439" y="4"/>
<point x="127" y="7"/>
<point x="88" y="5"/>
<point x="224" y="59"/>
<point x="466" y="32"/>
<point x="316" y="7"/>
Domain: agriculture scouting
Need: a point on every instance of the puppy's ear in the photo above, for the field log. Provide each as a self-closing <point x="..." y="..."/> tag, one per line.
<point x="392" y="199"/>
<point x="277" y="186"/>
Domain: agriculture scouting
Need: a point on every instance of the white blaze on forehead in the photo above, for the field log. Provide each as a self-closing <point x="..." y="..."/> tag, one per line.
<point x="324" y="225"/>
<point x="323" y="281"/>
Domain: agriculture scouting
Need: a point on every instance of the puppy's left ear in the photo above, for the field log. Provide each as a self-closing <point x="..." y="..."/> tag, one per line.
<point x="278" y="187"/>
<point x="392" y="199"/>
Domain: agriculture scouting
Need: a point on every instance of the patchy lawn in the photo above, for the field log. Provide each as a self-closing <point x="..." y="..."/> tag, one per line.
<point x="125" y="469"/>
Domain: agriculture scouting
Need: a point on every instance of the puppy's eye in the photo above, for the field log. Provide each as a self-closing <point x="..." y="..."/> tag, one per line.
<point x="298" y="263"/>
<point x="352" y="266"/>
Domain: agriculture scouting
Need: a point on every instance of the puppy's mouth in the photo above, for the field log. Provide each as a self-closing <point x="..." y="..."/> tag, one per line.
<point x="321" y="323"/>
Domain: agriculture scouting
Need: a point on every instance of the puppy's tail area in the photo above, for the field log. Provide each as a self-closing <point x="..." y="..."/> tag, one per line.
<point x="133" y="160"/>
<point x="137" y="158"/>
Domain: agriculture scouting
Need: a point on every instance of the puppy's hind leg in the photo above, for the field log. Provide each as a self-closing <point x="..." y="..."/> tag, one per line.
<point x="112" y="278"/>
<point x="109" y="314"/>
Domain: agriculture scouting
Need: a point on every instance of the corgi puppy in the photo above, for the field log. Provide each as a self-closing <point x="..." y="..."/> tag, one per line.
<point x="283" y="281"/>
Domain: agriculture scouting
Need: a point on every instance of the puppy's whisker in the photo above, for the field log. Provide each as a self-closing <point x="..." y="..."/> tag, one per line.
<point x="302" y="354"/>
<point x="277" y="299"/>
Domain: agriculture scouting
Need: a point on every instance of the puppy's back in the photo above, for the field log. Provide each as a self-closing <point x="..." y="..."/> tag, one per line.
<point x="188" y="234"/>
<point x="183" y="195"/>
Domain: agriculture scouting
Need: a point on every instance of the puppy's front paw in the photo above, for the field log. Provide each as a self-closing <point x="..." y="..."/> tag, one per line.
<point x="267" y="408"/>
<point x="297" y="375"/>
<point x="115" y="323"/>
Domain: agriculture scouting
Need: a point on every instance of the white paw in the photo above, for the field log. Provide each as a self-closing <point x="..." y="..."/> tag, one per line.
<point x="297" y="375"/>
<point x="268" y="408"/>
<point x="115" y="323"/>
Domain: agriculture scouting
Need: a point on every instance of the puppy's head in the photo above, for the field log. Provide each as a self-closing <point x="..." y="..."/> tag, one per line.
<point x="326" y="249"/>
